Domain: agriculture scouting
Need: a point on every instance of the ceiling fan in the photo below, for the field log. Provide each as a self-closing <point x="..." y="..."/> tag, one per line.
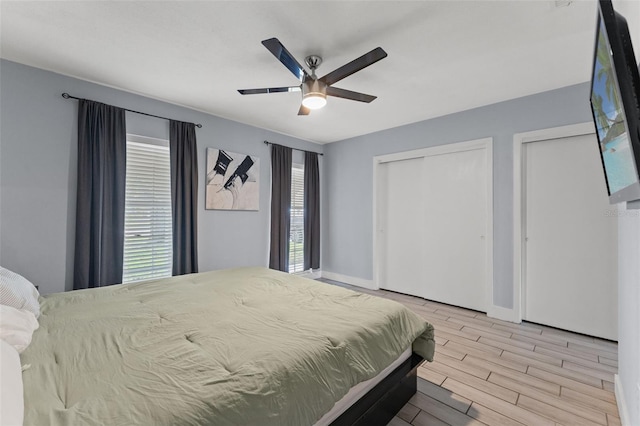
<point x="315" y="90"/>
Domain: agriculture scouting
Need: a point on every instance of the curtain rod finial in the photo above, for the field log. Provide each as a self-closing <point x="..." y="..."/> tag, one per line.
<point x="199" y="126"/>
<point x="65" y="95"/>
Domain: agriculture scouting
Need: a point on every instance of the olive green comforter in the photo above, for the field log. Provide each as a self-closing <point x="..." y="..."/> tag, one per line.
<point x="246" y="346"/>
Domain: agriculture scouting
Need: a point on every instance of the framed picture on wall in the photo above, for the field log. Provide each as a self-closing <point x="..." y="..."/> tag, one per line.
<point x="232" y="181"/>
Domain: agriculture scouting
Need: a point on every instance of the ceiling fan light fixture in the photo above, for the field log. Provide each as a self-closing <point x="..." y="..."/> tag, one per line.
<point x="314" y="100"/>
<point x="314" y="94"/>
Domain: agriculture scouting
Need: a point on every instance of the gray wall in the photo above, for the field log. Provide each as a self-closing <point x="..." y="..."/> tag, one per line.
<point x="38" y="145"/>
<point x="348" y="175"/>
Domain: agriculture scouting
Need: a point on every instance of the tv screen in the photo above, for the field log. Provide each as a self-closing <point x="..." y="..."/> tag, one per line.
<point x="615" y="105"/>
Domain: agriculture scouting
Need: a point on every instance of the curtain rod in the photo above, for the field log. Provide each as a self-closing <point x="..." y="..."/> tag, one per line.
<point x="68" y="96"/>
<point x="313" y="152"/>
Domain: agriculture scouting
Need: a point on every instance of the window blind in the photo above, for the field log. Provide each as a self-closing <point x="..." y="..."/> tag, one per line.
<point x="147" y="233"/>
<point x="296" y="235"/>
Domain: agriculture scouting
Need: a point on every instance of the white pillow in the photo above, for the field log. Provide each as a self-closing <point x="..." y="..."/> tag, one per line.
<point x="11" y="397"/>
<point x="17" y="291"/>
<point x="17" y="327"/>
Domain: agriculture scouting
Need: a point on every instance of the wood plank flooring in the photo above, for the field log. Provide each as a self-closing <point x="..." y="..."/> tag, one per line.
<point x="492" y="372"/>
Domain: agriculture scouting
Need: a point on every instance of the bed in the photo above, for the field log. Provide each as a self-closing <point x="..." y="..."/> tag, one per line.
<point x="247" y="346"/>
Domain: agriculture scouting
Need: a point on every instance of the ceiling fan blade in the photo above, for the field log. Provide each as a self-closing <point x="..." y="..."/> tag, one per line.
<point x="269" y="90"/>
<point x="279" y="51"/>
<point x="348" y="94"/>
<point x="303" y="110"/>
<point x="354" y="66"/>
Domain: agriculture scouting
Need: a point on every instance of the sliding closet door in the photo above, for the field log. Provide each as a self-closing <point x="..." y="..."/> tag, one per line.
<point x="401" y="234"/>
<point x="455" y="255"/>
<point x="433" y="224"/>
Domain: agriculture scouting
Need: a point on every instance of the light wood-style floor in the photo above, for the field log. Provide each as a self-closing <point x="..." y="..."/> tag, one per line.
<point x="492" y="372"/>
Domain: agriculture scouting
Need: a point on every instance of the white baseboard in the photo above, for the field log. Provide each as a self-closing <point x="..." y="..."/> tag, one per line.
<point x="622" y="405"/>
<point x="501" y="313"/>
<point x="311" y="274"/>
<point x="359" y="282"/>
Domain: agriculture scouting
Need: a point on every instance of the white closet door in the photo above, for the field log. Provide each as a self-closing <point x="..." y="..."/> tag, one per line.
<point x="402" y="232"/>
<point x="455" y="193"/>
<point x="570" y="268"/>
<point x="432" y="216"/>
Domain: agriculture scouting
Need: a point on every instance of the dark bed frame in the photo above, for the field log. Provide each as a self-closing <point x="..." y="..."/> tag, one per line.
<point x="378" y="406"/>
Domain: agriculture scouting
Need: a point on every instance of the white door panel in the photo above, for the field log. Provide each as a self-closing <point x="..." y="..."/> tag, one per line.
<point x="403" y="231"/>
<point x="570" y="263"/>
<point x="455" y="220"/>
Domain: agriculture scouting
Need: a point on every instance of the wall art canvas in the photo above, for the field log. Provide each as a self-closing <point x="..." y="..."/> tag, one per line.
<point x="233" y="181"/>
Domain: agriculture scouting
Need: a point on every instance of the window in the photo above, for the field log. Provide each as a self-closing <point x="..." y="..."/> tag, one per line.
<point x="296" y="233"/>
<point x="147" y="223"/>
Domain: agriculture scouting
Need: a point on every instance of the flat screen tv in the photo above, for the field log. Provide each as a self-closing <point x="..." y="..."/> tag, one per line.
<point x="615" y="104"/>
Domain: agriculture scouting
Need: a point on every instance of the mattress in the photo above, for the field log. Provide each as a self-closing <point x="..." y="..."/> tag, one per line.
<point x="247" y="346"/>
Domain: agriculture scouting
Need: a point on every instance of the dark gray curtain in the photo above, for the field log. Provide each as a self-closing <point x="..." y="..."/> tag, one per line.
<point x="311" y="211"/>
<point x="184" y="196"/>
<point x="102" y="148"/>
<point x="281" y="162"/>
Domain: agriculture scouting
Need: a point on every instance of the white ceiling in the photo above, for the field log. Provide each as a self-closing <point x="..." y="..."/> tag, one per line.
<point x="444" y="56"/>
